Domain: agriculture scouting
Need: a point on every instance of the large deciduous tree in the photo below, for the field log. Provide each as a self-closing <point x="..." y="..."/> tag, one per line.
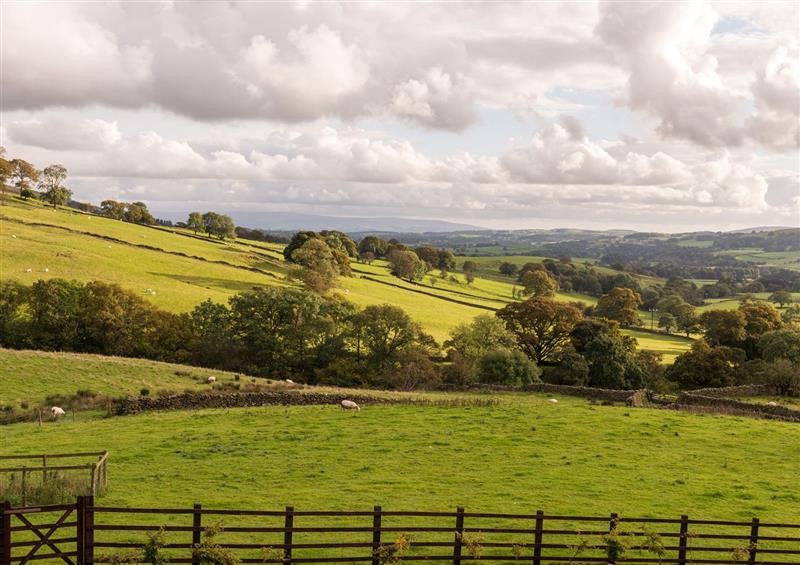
<point x="51" y="184"/>
<point x="539" y="284"/>
<point x="406" y="265"/>
<point x="541" y="326"/>
<point x="620" y="305"/>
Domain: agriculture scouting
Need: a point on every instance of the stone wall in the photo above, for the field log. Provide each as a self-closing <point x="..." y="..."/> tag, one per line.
<point x="737" y="407"/>
<point x="733" y="391"/>
<point x="186" y="401"/>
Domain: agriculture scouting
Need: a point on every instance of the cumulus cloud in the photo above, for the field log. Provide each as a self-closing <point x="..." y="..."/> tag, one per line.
<point x="350" y="165"/>
<point x="776" y="90"/>
<point x="64" y="134"/>
<point x="437" y="100"/>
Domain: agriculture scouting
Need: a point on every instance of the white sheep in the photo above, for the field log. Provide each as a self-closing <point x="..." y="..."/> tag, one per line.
<point x="772" y="403"/>
<point x="289" y="381"/>
<point x="28" y="270"/>
<point x="13" y="236"/>
<point x="57" y="412"/>
<point x="211" y="380"/>
<point x="350" y="405"/>
<point x="552" y="401"/>
<point x="46" y="270"/>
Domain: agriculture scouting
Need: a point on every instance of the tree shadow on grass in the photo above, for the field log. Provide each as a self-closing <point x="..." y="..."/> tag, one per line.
<point x="213" y="283"/>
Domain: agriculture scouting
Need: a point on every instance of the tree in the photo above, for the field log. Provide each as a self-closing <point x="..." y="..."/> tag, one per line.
<point x="13" y="297"/>
<point x="382" y="332"/>
<point x="484" y="333"/>
<point x="780" y="344"/>
<point x="791" y="315"/>
<point x="27" y="193"/>
<point x="724" y="327"/>
<point x="507" y="367"/>
<point x="23" y="174"/>
<point x="428" y="254"/>
<point x="666" y="321"/>
<point x="5" y="173"/>
<point x="297" y="241"/>
<point x="541" y="326"/>
<point x="469" y="267"/>
<point x="195" y="222"/>
<point x="413" y="370"/>
<point x="367" y="257"/>
<point x="137" y="213"/>
<point x="670" y="304"/>
<point x="781" y="298"/>
<point x="52" y="185"/>
<point x="784" y="377"/>
<point x="54" y="306"/>
<point x="318" y="268"/>
<point x="508" y="269"/>
<point x="340" y="241"/>
<point x="609" y="354"/>
<point x="406" y="265"/>
<point x="759" y="317"/>
<point x="219" y="225"/>
<point x="620" y="305"/>
<point x="469" y="276"/>
<point x="112" y="209"/>
<point x="539" y="284"/>
<point x="705" y="366"/>
<point x="571" y="369"/>
<point x="373" y="244"/>
<point x="686" y="319"/>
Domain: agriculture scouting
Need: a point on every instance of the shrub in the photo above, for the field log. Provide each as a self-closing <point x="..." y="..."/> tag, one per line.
<point x="144" y="392"/>
<point x="507" y="367"/>
<point x="413" y="370"/>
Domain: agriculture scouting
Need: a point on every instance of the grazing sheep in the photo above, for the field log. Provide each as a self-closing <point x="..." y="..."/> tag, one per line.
<point x="772" y="403"/>
<point x="552" y="401"/>
<point x="28" y="270"/>
<point x="46" y="270"/>
<point x="57" y="412"/>
<point x="12" y="235"/>
<point x="289" y="381"/>
<point x="211" y="380"/>
<point x="350" y="405"/>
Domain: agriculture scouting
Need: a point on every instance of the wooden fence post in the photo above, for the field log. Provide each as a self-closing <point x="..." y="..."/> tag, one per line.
<point x="197" y="525"/>
<point x="80" y="529"/>
<point x="683" y="540"/>
<point x="537" y="538"/>
<point x="288" y="524"/>
<point x="88" y="527"/>
<point x="458" y="536"/>
<point x="753" y="541"/>
<point x="612" y="525"/>
<point x="5" y="532"/>
<point x="94" y="480"/>
<point x="376" y="536"/>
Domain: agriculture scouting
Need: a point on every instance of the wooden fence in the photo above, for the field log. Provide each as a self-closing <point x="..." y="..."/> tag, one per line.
<point x="83" y="534"/>
<point x="96" y="471"/>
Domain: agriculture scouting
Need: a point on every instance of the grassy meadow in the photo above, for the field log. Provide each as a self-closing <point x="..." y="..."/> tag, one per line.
<point x="520" y="455"/>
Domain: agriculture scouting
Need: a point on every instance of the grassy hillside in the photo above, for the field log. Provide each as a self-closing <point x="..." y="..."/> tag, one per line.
<point x="33" y="375"/>
<point x="175" y="270"/>
<point x="521" y="455"/>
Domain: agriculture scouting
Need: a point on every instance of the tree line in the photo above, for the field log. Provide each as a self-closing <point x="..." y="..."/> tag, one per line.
<point x="46" y="184"/>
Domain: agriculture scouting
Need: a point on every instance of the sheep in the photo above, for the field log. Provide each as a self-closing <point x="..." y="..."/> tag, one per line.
<point x="289" y="381"/>
<point x="28" y="270"/>
<point x="46" y="270"/>
<point x="772" y="403"/>
<point x="211" y="380"/>
<point x="350" y="405"/>
<point x="13" y="236"/>
<point x="57" y="412"/>
<point x="552" y="401"/>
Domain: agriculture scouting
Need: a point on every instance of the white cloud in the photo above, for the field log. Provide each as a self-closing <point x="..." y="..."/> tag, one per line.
<point x="437" y="100"/>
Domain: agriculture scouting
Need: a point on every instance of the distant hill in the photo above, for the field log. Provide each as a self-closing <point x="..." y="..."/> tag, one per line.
<point x="291" y="221"/>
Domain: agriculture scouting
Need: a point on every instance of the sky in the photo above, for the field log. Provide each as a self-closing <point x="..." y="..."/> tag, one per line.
<point x="668" y="116"/>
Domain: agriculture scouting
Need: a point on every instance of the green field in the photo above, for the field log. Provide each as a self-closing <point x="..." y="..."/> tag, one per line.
<point x="179" y="270"/>
<point x="33" y="375"/>
<point x="521" y="455"/>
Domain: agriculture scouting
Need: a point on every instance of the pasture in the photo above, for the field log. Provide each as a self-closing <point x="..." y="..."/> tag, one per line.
<point x="176" y="270"/>
<point x="519" y="456"/>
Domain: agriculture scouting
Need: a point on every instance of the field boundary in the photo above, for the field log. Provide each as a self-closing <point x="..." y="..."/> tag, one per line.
<point x="193" y="401"/>
<point x="377" y="536"/>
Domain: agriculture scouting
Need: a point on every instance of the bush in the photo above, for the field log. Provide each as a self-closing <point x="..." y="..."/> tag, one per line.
<point x="413" y="370"/>
<point x="144" y="392"/>
<point x="507" y="367"/>
<point x="572" y="369"/>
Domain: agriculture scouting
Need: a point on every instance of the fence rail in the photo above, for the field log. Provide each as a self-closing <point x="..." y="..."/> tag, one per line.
<point x="97" y="470"/>
<point x="83" y="533"/>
